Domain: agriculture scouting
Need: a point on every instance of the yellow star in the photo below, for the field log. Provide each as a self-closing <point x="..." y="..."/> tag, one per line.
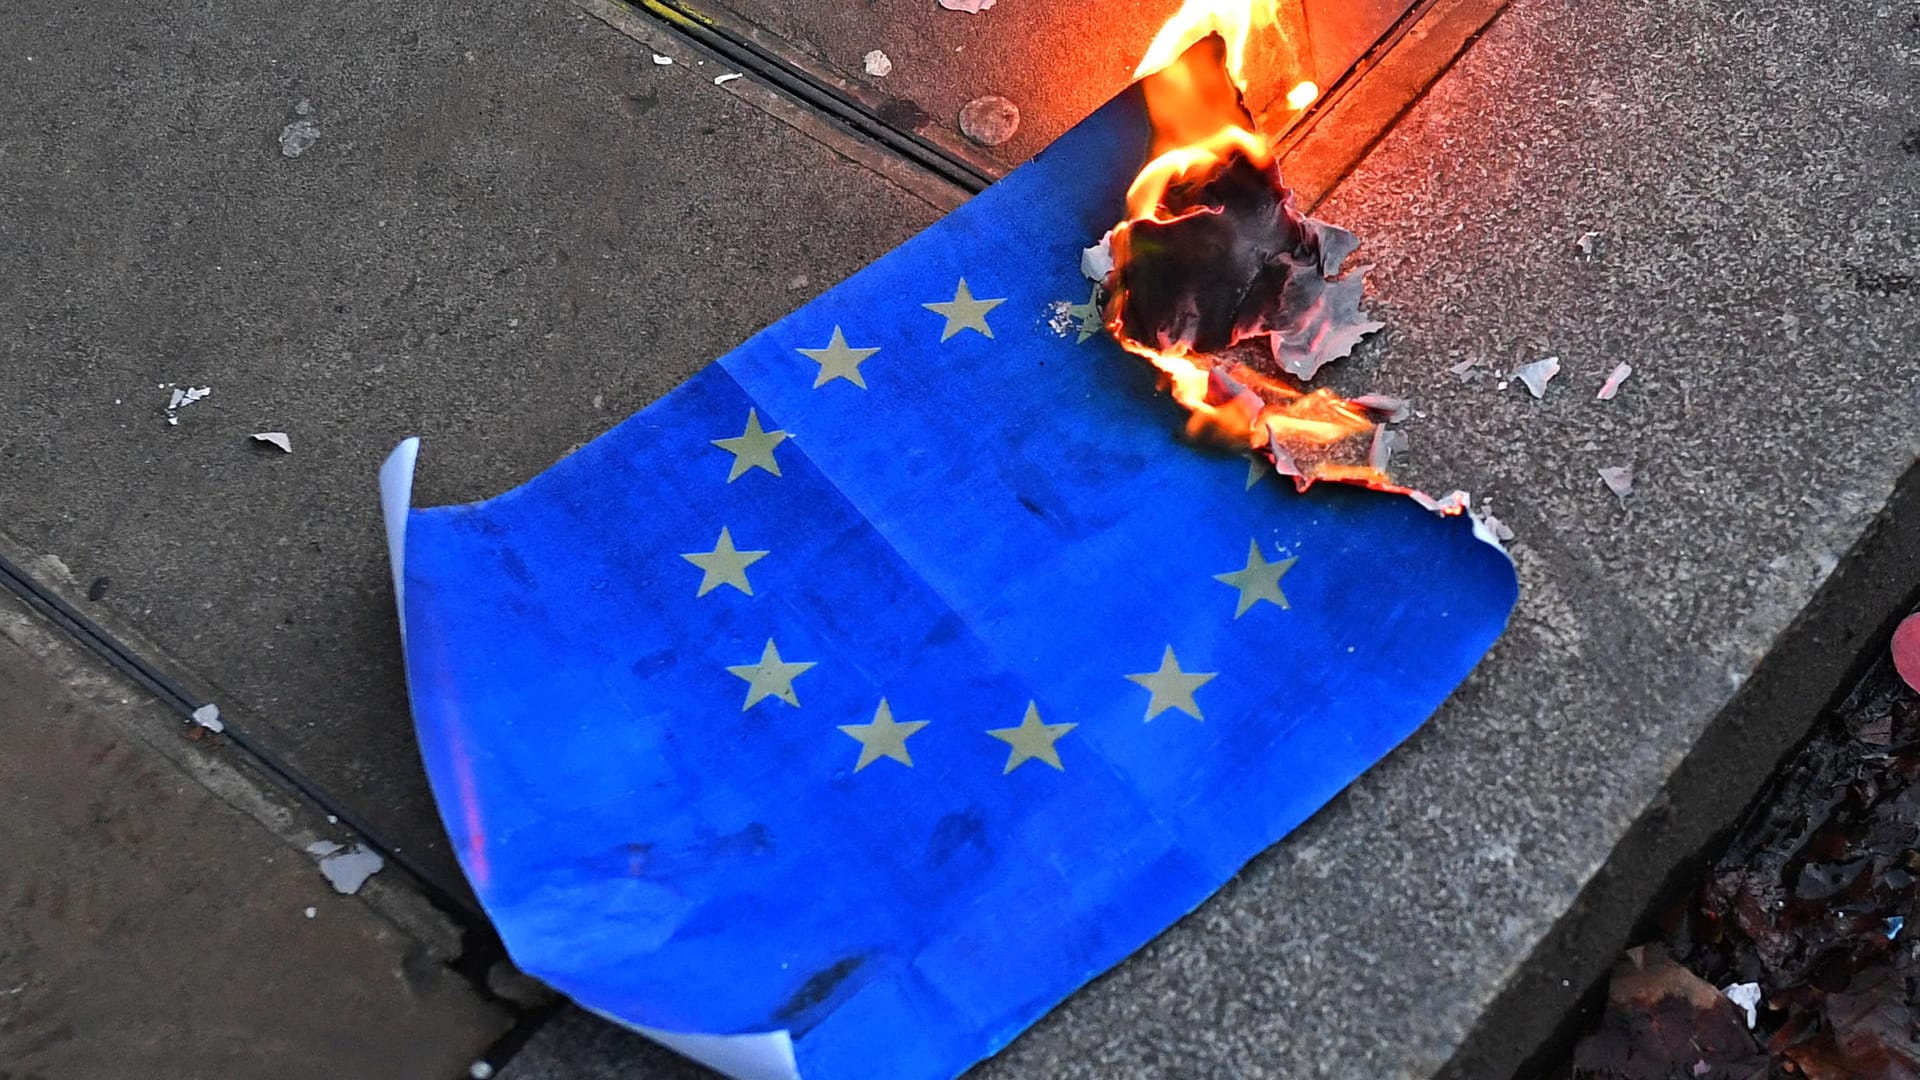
<point x="1088" y="318"/>
<point x="963" y="312"/>
<point x="883" y="738"/>
<point x="769" y="677"/>
<point x="1259" y="580"/>
<point x="752" y="449"/>
<point x="1258" y="469"/>
<point x="1172" y="688"/>
<point x="724" y="565"/>
<point x="1032" y="740"/>
<point x="838" y="361"/>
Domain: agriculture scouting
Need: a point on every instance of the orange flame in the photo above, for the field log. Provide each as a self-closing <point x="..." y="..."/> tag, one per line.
<point x="1233" y="20"/>
<point x="1195" y="101"/>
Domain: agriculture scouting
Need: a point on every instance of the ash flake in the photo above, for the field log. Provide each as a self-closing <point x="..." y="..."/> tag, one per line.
<point x="1747" y="996"/>
<point x="1619" y="375"/>
<point x="182" y="397"/>
<point x="208" y="716"/>
<point x="1619" y="480"/>
<point x="1538" y="374"/>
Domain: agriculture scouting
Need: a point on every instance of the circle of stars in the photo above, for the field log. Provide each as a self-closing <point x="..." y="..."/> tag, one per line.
<point x="771" y="677"/>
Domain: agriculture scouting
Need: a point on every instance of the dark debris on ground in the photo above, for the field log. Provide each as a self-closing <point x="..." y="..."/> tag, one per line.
<point x="1812" y="901"/>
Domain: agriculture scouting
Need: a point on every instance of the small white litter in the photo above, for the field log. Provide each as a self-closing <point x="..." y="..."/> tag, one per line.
<point x="1747" y="996"/>
<point x="1395" y="409"/>
<point x="346" y="869"/>
<point x="298" y="137"/>
<point x="208" y="716"/>
<point x="1589" y="244"/>
<point x="1612" y="385"/>
<point x="1538" y="374"/>
<point x="722" y="80"/>
<point x="311" y="912"/>
<point x="275" y="438"/>
<point x="182" y="397"/>
<point x="971" y="7"/>
<point x="662" y="61"/>
<point x="1096" y="262"/>
<point x="877" y="64"/>
<point x="1619" y="480"/>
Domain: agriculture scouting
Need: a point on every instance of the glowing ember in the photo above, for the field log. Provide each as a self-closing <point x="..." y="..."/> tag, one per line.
<point x="1219" y="281"/>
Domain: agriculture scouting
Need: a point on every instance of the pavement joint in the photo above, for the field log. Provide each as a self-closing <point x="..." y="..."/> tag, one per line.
<point x="130" y="662"/>
<point x="800" y="97"/>
<point x="152" y="779"/>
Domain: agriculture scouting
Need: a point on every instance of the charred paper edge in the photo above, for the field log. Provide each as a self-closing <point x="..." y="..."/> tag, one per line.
<point x="1097" y="266"/>
<point x="767" y="1056"/>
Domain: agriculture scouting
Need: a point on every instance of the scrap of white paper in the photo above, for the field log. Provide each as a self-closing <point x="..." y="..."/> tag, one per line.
<point x="1747" y="996"/>
<point x="1538" y="374"/>
<point x="1612" y="385"/>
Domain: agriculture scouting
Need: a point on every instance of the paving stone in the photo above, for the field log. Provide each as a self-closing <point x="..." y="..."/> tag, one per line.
<point x="513" y="230"/>
<point x="1748" y="180"/>
<point x="1750" y="176"/>
<point x="1751" y="183"/>
<point x="152" y="927"/>
<point x="1057" y="62"/>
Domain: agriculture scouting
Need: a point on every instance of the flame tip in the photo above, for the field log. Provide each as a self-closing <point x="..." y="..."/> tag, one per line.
<point x="1202" y="129"/>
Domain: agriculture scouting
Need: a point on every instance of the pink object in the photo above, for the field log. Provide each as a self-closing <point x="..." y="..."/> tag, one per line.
<point x="1906" y="651"/>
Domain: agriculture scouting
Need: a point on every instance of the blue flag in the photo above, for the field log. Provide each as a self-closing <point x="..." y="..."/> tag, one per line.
<point x="841" y="712"/>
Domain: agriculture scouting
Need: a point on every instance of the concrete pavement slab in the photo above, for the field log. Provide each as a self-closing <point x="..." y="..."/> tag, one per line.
<point x="1750" y="181"/>
<point x="1751" y="178"/>
<point x="514" y="229"/>
<point x="1751" y="196"/>
<point x="1056" y="62"/>
<point x="151" y="925"/>
<point x="577" y="1045"/>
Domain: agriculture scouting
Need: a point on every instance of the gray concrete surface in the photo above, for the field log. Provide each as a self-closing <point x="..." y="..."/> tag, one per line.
<point x="152" y="925"/>
<point x="1057" y="62"/>
<point x="1759" y="249"/>
<point x="514" y="230"/>
<point x="1743" y="165"/>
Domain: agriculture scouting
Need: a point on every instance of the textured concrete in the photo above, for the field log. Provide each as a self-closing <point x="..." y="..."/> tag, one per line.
<point x="1057" y="62"/>
<point x="1743" y="166"/>
<point x="575" y="1045"/>
<point x="515" y="229"/>
<point x="1758" y="249"/>
<point x="151" y="927"/>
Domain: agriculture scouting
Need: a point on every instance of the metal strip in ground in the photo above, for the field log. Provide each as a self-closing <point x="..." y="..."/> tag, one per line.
<point x="136" y="667"/>
<point x="832" y="103"/>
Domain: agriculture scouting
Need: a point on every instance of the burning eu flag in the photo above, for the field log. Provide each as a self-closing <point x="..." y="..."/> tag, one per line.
<point x="843" y="711"/>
